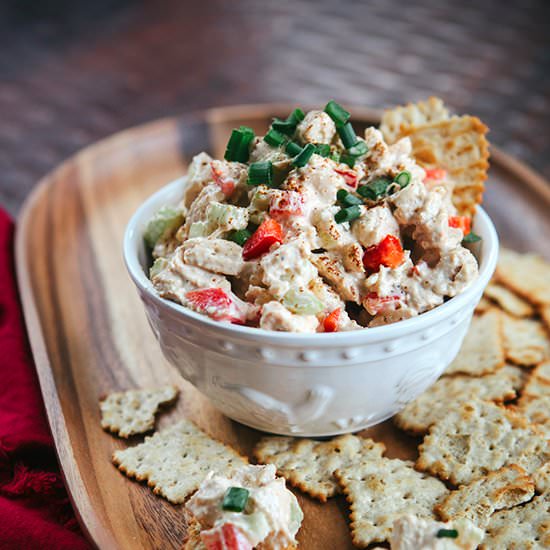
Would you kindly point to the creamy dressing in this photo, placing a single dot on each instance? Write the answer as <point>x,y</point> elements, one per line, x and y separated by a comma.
<point>271,516</point>
<point>317,254</point>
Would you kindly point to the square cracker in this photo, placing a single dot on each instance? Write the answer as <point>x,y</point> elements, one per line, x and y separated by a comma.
<point>176,460</point>
<point>450,392</point>
<point>542,478</point>
<point>484,305</point>
<point>400,120</point>
<point>381,490</point>
<point>538,382</point>
<point>525,341</point>
<point>480,437</point>
<point>477,501</point>
<point>459,146</point>
<point>526,274</point>
<point>133,412</point>
<point>482,351</point>
<point>537,411</point>
<point>524,527</point>
<point>545,316</point>
<point>309,465</point>
<point>507,300</point>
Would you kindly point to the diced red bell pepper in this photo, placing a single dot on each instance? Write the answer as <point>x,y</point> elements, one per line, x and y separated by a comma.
<point>435,174</point>
<point>226,184</point>
<point>330,324</point>
<point>374,304</point>
<point>216,303</point>
<point>226,537</point>
<point>349,175</point>
<point>269,233</point>
<point>387,252</point>
<point>286,203</point>
<point>461,222</point>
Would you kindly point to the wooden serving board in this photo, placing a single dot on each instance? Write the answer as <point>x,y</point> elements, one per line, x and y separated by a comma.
<point>89,334</point>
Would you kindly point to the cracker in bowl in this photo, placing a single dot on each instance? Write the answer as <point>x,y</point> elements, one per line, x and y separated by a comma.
<point>133,412</point>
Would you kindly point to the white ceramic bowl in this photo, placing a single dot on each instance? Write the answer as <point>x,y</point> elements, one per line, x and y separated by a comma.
<point>306,384</point>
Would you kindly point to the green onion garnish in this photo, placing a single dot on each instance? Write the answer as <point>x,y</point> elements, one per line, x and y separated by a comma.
<point>292,149</point>
<point>345,198</point>
<point>447,533</point>
<point>240,236</point>
<point>274,138</point>
<point>348,159</point>
<point>337,113</point>
<point>260,173</point>
<point>359,149</point>
<point>347,214</point>
<point>375,188</point>
<point>238,146</point>
<point>322,149</point>
<point>304,155</point>
<point>403,178</point>
<point>347,135</point>
<point>471,237</point>
<point>235,499</point>
<point>288,126</point>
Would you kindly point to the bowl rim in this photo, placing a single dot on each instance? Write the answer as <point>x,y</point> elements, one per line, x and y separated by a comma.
<point>373,334</point>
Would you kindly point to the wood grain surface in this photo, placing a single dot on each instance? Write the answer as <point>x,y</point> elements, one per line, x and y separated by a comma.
<point>89,334</point>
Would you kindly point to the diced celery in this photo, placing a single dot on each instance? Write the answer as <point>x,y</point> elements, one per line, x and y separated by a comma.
<point>162,225</point>
<point>259,204</point>
<point>199,229</point>
<point>302,302</point>
<point>227,216</point>
<point>157,267</point>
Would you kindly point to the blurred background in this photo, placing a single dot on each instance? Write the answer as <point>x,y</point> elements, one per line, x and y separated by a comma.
<point>72,72</point>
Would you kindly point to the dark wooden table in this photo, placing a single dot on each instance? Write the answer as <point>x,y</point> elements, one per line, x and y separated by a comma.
<point>72,72</point>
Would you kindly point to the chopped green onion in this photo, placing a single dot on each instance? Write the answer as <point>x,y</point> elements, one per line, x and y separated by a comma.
<point>302,158</point>
<point>447,533</point>
<point>240,236</point>
<point>293,149</point>
<point>260,173</point>
<point>335,156</point>
<point>375,188</point>
<point>235,499</point>
<point>471,237</point>
<point>336,112</point>
<point>288,126</point>
<point>302,302</point>
<point>359,149</point>
<point>347,135</point>
<point>274,138</point>
<point>347,214</point>
<point>348,159</point>
<point>238,146</point>
<point>347,199</point>
<point>403,178</point>
<point>322,149</point>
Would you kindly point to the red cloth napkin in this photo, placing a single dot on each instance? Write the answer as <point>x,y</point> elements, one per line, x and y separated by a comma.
<point>35,511</point>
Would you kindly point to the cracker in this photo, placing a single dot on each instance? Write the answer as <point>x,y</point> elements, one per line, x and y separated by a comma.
<point>133,412</point>
<point>537,411</point>
<point>477,438</point>
<point>450,392</point>
<point>176,460</point>
<point>545,316</point>
<point>525,341</point>
<point>517,376</point>
<point>542,478</point>
<point>538,383</point>
<point>508,300</point>
<point>381,490</point>
<point>398,121</point>
<point>459,146</point>
<point>484,305</point>
<point>524,527</point>
<point>309,465</point>
<point>526,274</point>
<point>477,501</point>
<point>482,351</point>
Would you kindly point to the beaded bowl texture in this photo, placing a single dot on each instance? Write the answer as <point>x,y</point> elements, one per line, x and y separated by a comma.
<point>314,384</point>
